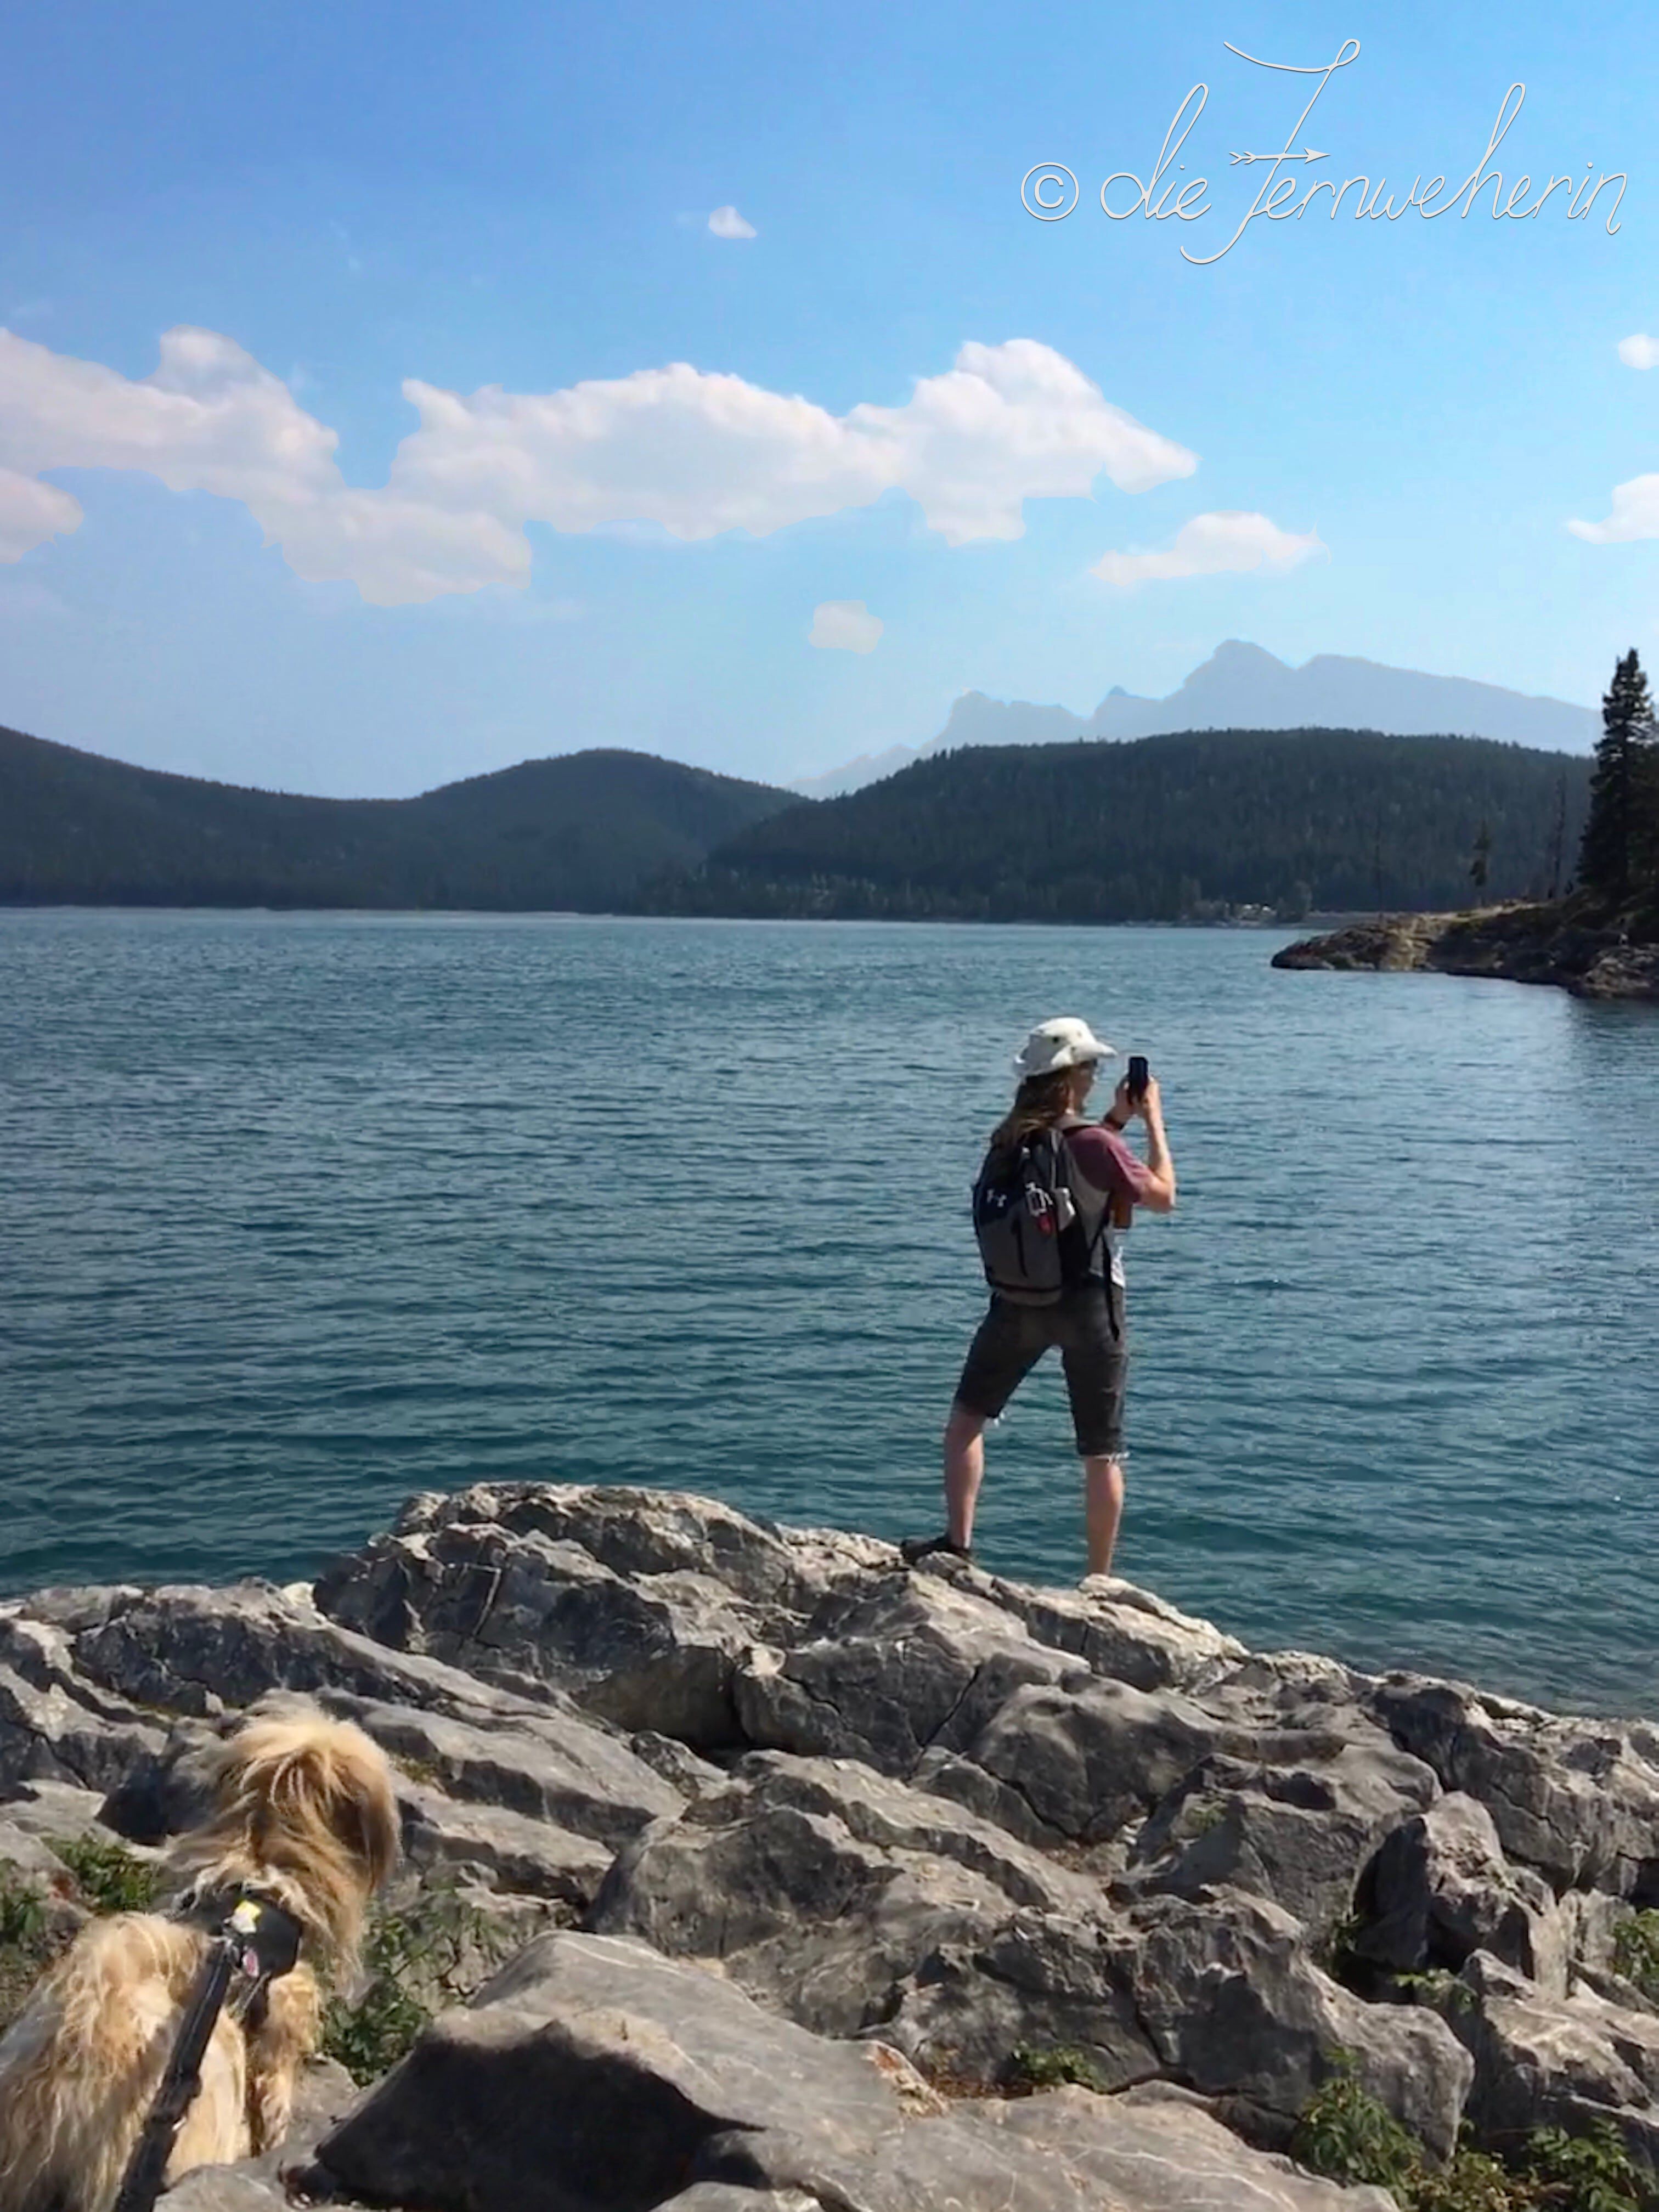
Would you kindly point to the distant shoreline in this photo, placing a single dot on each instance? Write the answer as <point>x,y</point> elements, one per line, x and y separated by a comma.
<point>1323,921</point>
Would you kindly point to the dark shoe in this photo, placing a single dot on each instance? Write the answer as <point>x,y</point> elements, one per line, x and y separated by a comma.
<point>916,1548</point>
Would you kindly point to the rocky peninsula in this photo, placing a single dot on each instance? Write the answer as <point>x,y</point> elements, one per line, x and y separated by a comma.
<point>1566,943</point>
<point>773,1876</point>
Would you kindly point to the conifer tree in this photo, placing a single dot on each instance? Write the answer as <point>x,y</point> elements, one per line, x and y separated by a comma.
<point>1479,865</point>
<point>1558,839</point>
<point>1618,834</point>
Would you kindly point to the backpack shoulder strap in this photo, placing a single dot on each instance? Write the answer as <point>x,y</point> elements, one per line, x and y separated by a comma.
<point>1064,1128</point>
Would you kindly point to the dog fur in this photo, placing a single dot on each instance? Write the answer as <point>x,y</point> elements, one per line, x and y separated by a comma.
<point>304,1811</point>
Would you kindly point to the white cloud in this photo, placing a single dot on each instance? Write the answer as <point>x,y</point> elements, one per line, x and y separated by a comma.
<point>691,453</point>
<point>1211,545</point>
<point>698,453</point>
<point>1639,352</point>
<point>1635,514</point>
<point>210,419</point>
<point>726,222</point>
<point>848,623</point>
<point>32,512</point>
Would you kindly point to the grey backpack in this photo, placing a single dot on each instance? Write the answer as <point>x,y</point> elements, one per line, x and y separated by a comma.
<point>1032,1239</point>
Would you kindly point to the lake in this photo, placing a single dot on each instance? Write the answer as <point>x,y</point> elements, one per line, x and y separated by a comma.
<point>300,1213</point>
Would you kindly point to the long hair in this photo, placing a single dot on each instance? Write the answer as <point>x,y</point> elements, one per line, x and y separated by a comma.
<point>1040,1102</point>
<point>306,1809</point>
<point>306,1813</point>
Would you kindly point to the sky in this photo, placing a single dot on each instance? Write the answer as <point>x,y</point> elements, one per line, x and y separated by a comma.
<point>388,395</point>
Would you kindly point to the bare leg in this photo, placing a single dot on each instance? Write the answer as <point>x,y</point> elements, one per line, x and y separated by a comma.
<point>1103,1495</point>
<point>965,1470</point>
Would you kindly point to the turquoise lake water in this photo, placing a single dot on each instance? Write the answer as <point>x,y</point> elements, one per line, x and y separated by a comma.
<point>301,1213</point>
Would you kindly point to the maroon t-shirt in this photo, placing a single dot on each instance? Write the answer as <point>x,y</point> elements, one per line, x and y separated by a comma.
<point>1107,1179</point>
<point>1106,1160</point>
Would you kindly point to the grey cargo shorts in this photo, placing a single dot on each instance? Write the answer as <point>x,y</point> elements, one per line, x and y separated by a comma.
<point>1094,1353</point>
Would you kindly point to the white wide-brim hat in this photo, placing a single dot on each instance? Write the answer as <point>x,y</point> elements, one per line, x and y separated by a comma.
<point>1066,1042</point>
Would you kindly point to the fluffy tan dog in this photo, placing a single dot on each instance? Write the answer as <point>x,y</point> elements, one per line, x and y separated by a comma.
<point>304,1813</point>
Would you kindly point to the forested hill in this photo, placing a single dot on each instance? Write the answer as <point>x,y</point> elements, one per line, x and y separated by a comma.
<point>1164,828</point>
<point>581,831</point>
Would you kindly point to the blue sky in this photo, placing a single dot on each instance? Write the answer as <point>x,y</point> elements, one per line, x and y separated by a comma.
<point>362,218</point>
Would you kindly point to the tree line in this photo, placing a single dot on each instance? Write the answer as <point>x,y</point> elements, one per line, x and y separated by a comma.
<point>1198,825</point>
<point>578,832</point>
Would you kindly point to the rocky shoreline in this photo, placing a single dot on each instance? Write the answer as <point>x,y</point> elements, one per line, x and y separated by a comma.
<point>788,1869</point>
<point>1521,943</point>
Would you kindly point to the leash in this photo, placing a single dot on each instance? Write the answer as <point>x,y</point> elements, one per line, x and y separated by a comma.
<point>258,1940</point>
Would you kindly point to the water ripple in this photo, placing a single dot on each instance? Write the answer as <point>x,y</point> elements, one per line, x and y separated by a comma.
<point>301,1213</point>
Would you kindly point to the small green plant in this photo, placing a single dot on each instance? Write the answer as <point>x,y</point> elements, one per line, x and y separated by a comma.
<point>1040,2066</point>
<point>1337,1955</point>
<point>422,1954</point>
<point>1346,2133</point>
<point>25,1944</point>
<point>1635,1953</point>
<point>370,2036</point>
<point>22,1909</point>
<point>1591,2173</point>
<point>109,1877</point>
<point>1438,1986</point>
<point>1470,2182</point>
<point>419,1769</point>
<point>1200,1816</point>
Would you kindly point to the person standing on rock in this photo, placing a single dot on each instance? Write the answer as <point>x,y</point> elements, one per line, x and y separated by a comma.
<point>1097,1182</point>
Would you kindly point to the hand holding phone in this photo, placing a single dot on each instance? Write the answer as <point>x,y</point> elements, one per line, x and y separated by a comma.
<point>1135,1082</point>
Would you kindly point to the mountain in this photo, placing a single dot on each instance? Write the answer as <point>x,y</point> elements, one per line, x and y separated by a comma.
<point>865,768</point>
<point>973,721</point>
<point>1242,687</point>
<point>1164,828</point>
<point>581,831</point>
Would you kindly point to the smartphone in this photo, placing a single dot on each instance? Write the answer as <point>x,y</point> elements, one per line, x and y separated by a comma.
<point>1137,1076</point>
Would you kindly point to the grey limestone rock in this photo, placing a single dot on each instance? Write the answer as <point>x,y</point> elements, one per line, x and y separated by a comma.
<point>919,1819</point>
<point>591,2071</point>
<point>524,1798</point>
<point>1440,1888</point>
<point>1150,2152</point>
<point>854,1904</point>
<point>227,2189</point>
<point>885,1674</point>
<point>1300,1831</point>
<point>1540,2061</point>
<point>1128,1634</point>
<point>1576,1799</point>
<point>1239,2011</point>
<point>593,2077</point>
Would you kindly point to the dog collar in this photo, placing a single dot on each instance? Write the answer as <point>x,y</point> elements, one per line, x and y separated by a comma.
<point>265,1935</point>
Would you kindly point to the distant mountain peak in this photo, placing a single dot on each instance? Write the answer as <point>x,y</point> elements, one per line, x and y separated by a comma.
<point>1239,653</point>
<point>1243,686</point>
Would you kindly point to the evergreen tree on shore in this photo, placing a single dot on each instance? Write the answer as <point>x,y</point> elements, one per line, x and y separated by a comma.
<point>1480,863</point>
<point>1621,836</point>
